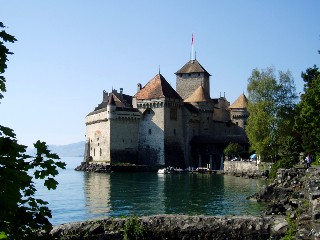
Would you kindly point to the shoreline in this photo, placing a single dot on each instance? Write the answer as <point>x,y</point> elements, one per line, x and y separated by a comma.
<point>175,227</point>
<point>293,208</point>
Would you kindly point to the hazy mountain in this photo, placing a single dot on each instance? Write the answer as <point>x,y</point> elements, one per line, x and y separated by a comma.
<point>69,150</point>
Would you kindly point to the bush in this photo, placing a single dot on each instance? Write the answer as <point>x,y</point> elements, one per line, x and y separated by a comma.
<point>282,163</point>
<point>133,229</point>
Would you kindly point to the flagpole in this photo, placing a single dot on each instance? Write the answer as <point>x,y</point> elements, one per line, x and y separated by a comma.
<point>192,50</point>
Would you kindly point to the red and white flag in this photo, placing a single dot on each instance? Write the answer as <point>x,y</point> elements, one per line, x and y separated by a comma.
<point>192,50</point>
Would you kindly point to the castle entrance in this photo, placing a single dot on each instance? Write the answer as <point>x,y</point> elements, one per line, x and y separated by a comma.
<point>211,161</point>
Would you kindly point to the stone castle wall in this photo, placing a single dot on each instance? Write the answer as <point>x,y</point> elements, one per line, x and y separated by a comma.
<point>98,137</point>
<point>188,83</point>
<point>151,134</point>
<point>191,125</point>
<point>124,140</point>
<point>173,134</point>
<point>239,117</point>
<point>220,111</point>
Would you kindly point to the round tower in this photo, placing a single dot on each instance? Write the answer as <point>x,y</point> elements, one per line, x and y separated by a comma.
<point>111,107</point>
<point>238,111</point>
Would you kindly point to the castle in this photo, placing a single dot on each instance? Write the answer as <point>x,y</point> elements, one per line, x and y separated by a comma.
<point>160,126</point>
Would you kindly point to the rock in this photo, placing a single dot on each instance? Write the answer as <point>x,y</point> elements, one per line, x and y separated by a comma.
<point>280,225</point>
<point>314,195</point>
<point>176,227</point>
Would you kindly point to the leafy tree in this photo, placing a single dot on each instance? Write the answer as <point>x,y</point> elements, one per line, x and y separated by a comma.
<point>21,214</point>
<point>4,52</point>
<point>233,149</point>
<point>271,106</point>
<point>307,121</point>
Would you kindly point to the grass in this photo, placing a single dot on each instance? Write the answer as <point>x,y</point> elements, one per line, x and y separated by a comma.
<point>133,229</point>
<point>292,228</point>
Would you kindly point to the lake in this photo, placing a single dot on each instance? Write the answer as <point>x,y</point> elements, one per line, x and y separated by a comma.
<point>84,196</point>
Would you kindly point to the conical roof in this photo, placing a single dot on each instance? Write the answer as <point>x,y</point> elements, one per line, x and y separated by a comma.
<point>199,95</point>
<point>158,87</point>
<point>193,66</point>
<point>241,102</point>
<point>111,100</point>
<point>114,100</point>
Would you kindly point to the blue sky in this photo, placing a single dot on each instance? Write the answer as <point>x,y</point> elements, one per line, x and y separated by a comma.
<point>68,52</point>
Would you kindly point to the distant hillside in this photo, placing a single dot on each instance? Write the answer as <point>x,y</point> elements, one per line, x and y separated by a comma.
<point>69,150</point>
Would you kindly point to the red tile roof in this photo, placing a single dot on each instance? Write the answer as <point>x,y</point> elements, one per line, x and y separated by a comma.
<point>158,87</point>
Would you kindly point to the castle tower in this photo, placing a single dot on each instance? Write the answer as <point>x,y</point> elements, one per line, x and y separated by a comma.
<point>238,111</point>
<point>111,107</point>
<point>191,76</point>
<point>160,130</point>
<point>202,101</point>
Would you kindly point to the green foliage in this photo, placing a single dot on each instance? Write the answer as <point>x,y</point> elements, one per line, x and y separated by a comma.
<point>3,235</point>
<point>21,214</point>
<point>271,107</point>
<point>282,163</point>
<point>133,229</point>
<point>316,160</point>
<point>4,52</point>
<point>233,149</point>
<point>290,149</point>
<point>307,120</point>
<point>292,228</point>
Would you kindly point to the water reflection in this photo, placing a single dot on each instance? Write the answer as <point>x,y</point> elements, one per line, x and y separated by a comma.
<point>136,194</point>
<point>123,194</point>
<point>97,193</point>
<point>82,196</point>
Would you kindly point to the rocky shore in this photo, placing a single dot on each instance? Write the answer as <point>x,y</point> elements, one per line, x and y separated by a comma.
<point>293,212</point>
<point>295,193</point>
<point>175,227</point>
<point>102,167</point>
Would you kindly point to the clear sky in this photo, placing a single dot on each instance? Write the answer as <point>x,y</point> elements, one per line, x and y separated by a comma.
<point>68,52</point>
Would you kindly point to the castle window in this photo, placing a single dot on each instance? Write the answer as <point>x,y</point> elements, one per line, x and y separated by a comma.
<point>98,144</point>
<point>100,152</point>
<point>237,123</point>
<point>94,152</point>
<point>122,140</point>
<point>189,74</point>
<point>149,130</point>
<point>97,138</point>
<point>199,74</point>
<point>180,74</point>
<point>174,131</point>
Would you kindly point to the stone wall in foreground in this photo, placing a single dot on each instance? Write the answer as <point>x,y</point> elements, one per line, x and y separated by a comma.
<point>175,227</point>
<point>246,168</point>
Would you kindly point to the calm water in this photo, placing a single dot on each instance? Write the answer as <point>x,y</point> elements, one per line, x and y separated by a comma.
<point>82,196</point>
